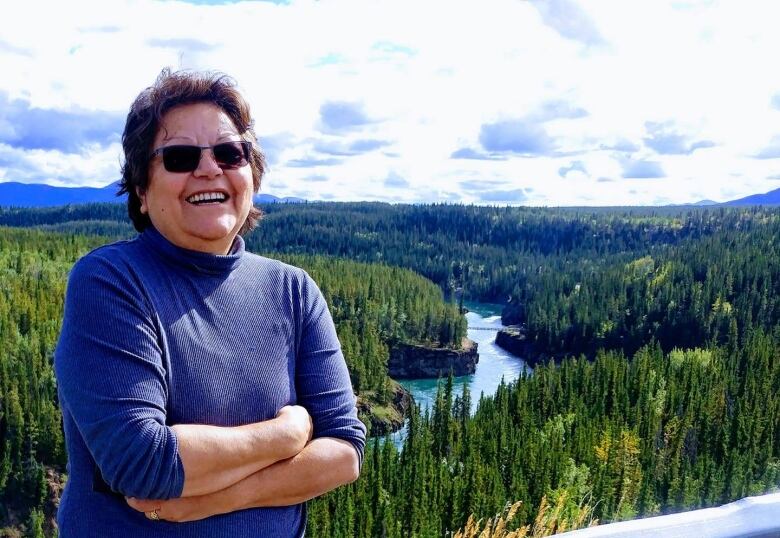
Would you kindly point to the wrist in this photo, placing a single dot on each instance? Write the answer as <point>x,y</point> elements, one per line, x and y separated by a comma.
<point>291,437</point>
<point>221,502</point>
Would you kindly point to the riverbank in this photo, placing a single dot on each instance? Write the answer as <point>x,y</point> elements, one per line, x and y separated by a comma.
<point>380,417</point>
<point>494,365</point>
<point>514,339</point>
<point>383,415</point>
<point>409,361</point>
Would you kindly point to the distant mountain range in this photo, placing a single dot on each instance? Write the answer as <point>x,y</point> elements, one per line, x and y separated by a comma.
<point>39,195</point>
<point>704,203</point>
<point>768,198</point>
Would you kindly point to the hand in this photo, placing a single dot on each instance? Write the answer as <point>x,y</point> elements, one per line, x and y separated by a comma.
<point>298,423</point>
<point>176,510</point>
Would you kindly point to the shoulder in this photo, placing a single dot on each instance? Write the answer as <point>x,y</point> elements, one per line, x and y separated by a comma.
<point>114,262</point>
<point>275,277</point>
<point>111,253</point>
<point>275,268</point>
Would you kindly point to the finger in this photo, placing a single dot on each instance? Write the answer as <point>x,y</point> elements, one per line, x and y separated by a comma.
<point>143,505</point>
<point>153,515</point>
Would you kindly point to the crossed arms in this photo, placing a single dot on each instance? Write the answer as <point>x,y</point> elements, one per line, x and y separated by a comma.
<point>271,463</point>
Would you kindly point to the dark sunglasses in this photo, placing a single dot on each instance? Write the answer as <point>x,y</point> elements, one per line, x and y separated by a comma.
<point>181,158</point>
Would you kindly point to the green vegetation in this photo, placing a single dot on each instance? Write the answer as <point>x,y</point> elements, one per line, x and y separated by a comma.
<point>693,293</point>
<point>33,266</point>
<point>578,279</point>
<point>611,439</point>
<point>669,400</point>
<point>373,307</point>
<point>487,251</point>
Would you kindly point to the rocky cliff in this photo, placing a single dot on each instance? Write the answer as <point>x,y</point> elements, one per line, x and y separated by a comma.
<point>515,340</point>
<point>384,418</point>
<point>409,361</point>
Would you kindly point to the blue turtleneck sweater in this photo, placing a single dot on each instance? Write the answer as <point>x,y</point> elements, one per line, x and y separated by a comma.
<point>155,335</point>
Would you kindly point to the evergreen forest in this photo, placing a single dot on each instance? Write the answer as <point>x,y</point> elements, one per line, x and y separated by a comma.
<point>664,324</point>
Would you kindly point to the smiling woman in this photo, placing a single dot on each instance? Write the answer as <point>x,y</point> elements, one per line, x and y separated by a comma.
<point>194,197</point>
<point>162,132</point>
<point>203,388</point>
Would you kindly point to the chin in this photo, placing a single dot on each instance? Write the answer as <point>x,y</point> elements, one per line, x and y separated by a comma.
<point>216,230</point>
<point>212,234</point>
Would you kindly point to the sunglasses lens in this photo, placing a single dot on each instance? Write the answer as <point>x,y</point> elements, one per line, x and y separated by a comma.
<point>231,154</point>
<point>228,155</point>
<point>181,158</point>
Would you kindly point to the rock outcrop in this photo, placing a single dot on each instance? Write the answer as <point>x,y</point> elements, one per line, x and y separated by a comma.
<point>409,361</point>
<point>514,339</point>
<point>383,419</point>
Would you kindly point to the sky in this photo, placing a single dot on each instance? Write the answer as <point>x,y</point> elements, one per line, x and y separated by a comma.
<point>499,102</point>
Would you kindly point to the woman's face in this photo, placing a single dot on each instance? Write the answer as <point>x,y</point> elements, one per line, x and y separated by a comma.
<point>171,199</point>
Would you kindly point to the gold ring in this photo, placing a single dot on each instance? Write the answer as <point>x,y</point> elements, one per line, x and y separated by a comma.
<point>153,515</point>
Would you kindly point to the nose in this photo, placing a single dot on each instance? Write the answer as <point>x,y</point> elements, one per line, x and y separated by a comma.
<point>207,166</point>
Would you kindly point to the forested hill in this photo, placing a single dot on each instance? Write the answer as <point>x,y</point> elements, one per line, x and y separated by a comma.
<point>373,306</point>
<point>577,279</point>
<point>485,249</point>
<point>681,411</point>
<point>604,440</point>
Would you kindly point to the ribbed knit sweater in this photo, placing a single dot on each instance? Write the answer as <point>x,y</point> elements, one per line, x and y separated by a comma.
<point>155,335</point>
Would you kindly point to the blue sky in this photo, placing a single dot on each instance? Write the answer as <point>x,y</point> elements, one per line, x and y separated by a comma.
<point>549,102</point>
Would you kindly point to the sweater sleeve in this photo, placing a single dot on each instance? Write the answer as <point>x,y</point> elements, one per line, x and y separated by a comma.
<point>111,379</point>
<point>322,379</point>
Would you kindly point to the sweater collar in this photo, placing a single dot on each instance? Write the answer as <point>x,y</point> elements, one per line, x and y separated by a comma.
<point>200,262</point>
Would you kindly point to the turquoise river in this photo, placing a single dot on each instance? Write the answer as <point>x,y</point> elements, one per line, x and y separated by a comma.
<point>494,363</point>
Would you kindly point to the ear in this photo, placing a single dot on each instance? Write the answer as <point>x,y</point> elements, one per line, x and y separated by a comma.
<point>142,196</point>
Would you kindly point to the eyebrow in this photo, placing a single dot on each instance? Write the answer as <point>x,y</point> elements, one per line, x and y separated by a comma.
<point>222,136</point>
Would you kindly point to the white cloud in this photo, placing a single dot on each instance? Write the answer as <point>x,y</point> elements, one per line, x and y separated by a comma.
<point>429,76</point>
<point>96,166</point>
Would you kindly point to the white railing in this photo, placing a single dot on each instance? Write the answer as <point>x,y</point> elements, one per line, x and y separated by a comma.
<point>757,517</point>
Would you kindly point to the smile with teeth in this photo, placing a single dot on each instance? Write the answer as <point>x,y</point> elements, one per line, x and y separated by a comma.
<point>207,198</point>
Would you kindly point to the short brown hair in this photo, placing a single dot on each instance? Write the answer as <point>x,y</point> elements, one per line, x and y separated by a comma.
<point>172,89</point>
